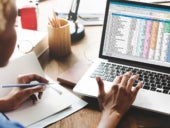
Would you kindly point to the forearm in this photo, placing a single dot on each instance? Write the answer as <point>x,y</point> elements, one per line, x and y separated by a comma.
<point>6,105</point>
<point>109,120</point>
<point>2,104</point>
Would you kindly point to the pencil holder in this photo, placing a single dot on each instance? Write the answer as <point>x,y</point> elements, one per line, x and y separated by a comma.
<point>59,39</point>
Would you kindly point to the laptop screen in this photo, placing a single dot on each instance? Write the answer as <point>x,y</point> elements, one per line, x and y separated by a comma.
<point>136,32</point>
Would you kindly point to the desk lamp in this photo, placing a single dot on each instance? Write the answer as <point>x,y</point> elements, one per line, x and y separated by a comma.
<point>76,29</point>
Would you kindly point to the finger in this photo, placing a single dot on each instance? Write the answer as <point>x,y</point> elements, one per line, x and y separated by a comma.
<point>40,95</point>
<point>117,80</point>
<point>101,86</point>
<point>31,77</point>
<point>101,93</point>
<point>31,90</point>
<point>33,98</point>
<point>125,78</point>
<point>114,89</point>
<point>37,78</point>
<point>136,89</point>
<point>131,82</point>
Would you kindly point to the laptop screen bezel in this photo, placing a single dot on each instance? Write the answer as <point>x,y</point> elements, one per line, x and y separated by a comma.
<point>125,61</point>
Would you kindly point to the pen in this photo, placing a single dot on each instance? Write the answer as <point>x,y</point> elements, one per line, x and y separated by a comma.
<point>29,85</point>
<point>24,85</point>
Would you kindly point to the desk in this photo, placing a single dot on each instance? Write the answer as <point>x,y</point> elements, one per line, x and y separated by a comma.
<point>85,50</point>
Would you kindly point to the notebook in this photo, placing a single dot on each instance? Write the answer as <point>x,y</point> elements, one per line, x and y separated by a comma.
<point>136,38</point>
<point>52,101</point>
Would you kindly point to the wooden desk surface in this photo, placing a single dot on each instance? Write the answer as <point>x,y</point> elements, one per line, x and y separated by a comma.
<point>86,50</point>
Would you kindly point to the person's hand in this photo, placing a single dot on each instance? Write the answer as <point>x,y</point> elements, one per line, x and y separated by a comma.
<point>118,100</point>
<point>19,95</point>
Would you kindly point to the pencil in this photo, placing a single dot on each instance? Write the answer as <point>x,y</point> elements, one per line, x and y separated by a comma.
<point>54,21</point>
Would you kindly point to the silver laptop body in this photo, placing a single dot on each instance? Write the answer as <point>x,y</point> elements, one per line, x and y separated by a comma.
<point>136,37</point>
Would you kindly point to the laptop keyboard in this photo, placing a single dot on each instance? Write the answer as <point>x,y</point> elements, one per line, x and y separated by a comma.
<point>152,80</point>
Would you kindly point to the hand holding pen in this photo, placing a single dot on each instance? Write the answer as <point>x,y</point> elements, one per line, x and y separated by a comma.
<point>17,96</point>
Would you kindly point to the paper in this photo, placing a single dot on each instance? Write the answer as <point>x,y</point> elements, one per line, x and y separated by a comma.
<point>24,65</point>
<point>76,104</point>
<point>85,6</point>
<point>90,12</point>
<point>51,103</point>
<point>31,35</point>
<point>29,40</point>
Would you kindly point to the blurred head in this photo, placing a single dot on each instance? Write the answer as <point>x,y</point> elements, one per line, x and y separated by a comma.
<point>8,15</point>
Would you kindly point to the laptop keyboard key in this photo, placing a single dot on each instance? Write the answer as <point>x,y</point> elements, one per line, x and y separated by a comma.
<point>146,87</point>
<point>153,89</point>
<point>165,91</point>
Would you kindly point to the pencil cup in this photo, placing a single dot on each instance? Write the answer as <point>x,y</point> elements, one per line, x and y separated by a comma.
<point>59,39</point>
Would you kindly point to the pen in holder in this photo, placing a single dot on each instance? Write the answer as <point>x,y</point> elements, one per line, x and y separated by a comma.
<point>59,37</point>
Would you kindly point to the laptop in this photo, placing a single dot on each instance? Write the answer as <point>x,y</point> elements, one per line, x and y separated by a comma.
<point>136,38</point>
